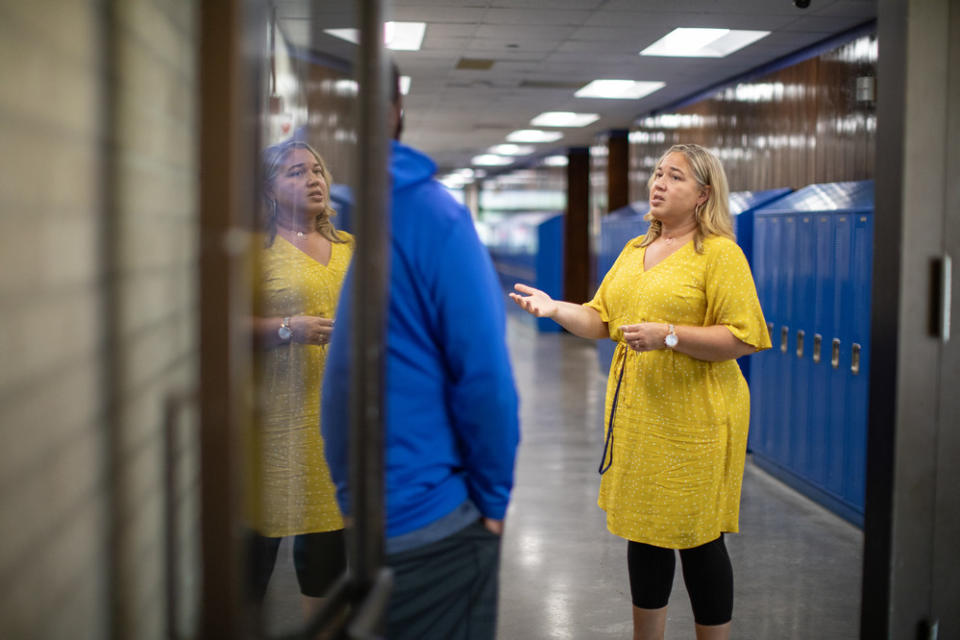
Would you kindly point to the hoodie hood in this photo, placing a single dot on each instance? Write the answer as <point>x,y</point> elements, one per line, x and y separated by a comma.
<point>408,166</point>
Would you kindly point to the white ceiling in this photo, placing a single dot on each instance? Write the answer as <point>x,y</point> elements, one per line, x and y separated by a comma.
<point>454,114</point>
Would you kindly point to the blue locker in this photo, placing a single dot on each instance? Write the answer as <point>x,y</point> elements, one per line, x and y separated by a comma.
<point>859,338</point>
<point>341,197</point>
<point>815,430</point>
<point>528,248</point>
<point>786,284</point>
<point>743,206</point>
<point>801,331</point>
<point>761,362</point>
<point>775,379</point>
<point>616,229</point>
<point>825,326</point>
<point>843,290</point>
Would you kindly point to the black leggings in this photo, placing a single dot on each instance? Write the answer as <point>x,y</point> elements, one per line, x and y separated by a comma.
<point>706,572</point>
<point>319,559</point>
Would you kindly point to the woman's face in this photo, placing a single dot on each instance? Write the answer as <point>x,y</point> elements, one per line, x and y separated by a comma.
<point>675,193</point>
<point>299,186</point>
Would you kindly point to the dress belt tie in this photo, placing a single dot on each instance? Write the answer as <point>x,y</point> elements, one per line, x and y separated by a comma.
<point>608,442</point>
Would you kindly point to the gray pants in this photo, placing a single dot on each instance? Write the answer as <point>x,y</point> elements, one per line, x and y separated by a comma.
<point>446,590</point>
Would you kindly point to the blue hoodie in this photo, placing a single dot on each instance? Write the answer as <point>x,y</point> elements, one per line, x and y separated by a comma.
<point>451,407</point>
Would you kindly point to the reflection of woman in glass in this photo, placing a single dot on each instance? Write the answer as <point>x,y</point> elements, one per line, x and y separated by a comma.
<point>302,266</point>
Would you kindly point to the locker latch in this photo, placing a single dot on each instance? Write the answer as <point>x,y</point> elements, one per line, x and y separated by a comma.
<point>817,341</point>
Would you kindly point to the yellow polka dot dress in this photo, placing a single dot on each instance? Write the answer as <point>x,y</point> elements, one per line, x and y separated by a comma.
<point>292,490</point>
<point>680,426</point>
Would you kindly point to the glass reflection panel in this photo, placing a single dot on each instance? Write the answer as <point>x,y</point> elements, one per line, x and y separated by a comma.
<point>300,250</point>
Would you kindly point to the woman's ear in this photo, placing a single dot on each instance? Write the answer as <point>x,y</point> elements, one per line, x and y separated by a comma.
<point>704,195</point>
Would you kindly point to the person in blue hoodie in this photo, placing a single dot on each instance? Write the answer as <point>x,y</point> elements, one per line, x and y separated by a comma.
<point>451,424</point>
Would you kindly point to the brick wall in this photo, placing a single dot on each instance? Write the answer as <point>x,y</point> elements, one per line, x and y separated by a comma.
<point>98,183</point>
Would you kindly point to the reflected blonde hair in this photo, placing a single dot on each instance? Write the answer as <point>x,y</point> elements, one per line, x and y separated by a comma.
<point>273,159</point>
<point>713,216</point>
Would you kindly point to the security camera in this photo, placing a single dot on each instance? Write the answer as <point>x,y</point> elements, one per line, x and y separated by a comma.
<point>801,4</point>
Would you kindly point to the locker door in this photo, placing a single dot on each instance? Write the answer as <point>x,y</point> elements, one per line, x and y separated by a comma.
<point>801,333</point>
<point>775,391</point>
<point>858,368</point>
<point>743,225</point>
<point>760,364</point>
<point>824,328</point>
<point>839,346</point>
<point>786,424</point>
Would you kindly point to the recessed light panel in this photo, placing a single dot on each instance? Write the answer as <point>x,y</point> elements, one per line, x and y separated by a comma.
<point>534,135</point>
<point>399,36</point>
<point>555,161</point>
<point>490,160</point>
<point>618,89</point>
<point>512,149</point>
<point>702,43</point>
<point>564,119</point>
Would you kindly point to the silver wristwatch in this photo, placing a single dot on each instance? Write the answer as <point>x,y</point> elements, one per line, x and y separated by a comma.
<point>285,332</point>
<point>671,338</point>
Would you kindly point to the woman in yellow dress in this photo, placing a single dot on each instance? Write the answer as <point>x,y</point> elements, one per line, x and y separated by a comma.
<point>681,304</point>
<point>301,267</point>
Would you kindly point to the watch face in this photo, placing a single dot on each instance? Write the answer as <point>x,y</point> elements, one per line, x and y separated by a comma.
<point>284,333</point>
<point>671,340</point>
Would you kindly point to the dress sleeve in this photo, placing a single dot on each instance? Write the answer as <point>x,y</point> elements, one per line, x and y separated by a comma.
<point>732,296</point>
<point>601,299</point>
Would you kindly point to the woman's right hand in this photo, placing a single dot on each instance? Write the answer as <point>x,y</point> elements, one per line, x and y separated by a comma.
<point>535,301</point>
<point>311,329</point>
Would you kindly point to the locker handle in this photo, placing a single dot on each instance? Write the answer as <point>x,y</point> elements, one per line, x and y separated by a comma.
<point>835,354</point>
<point>784,337</point>
<point>800,335</point>
<point>817,341</point>
<point>770,329</point>
<point>855,359</point>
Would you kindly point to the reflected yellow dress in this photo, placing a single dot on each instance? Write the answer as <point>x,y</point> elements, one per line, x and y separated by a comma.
<point>292,490</point>
<point>680,425</point>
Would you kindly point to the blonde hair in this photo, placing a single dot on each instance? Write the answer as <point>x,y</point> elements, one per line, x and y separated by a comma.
<point>713,215</point>
<point>273,159</point>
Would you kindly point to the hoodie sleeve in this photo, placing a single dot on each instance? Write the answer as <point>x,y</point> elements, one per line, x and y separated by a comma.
<point>481,395</point>
<point>335,402</point>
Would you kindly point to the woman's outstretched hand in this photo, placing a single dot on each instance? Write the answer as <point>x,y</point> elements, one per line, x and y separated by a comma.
<point>535,301</point>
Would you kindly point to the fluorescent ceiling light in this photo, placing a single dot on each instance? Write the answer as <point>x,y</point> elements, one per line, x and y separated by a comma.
<point>702,43</point>
<point>555,161</point>
<point>399,36</point>
<point>618,89</point>
<point>564,119</point>
<point>490,160</point>
<point>404,85</point>
<point>534,135</point>
<point>512,149</point>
